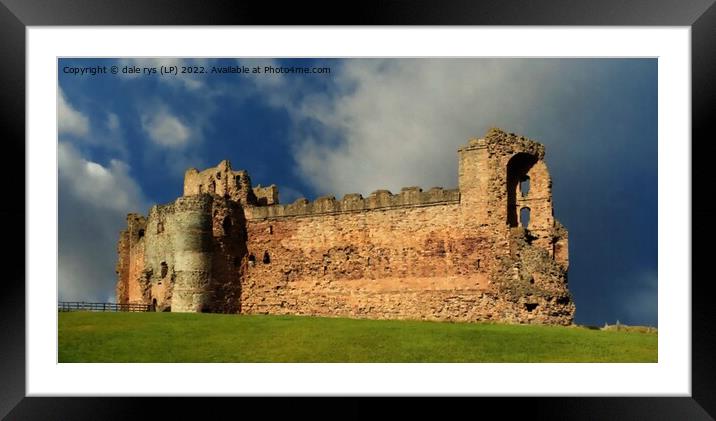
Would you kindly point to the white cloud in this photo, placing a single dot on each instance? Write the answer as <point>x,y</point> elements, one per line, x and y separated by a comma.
<point>105,187</point>
<point>387,123</point>
<point>165,129</point>
<point>70,121</point>
<point>93,204</point>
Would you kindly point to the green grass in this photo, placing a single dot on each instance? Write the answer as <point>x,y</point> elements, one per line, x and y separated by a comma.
<point>176,337</point>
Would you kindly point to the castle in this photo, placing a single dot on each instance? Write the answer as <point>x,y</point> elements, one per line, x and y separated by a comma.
<point>489,250</point>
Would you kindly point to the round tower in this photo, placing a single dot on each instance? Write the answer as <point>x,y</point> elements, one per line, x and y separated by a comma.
<point>192,254</point>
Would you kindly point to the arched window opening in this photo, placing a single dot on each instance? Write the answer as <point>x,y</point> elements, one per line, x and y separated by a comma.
<point>478,263</point>
<point>201,188</point>
<point>140,234</point>
<point>212,187</point>
<point>266,258</point>
<point>218,176</point>
<point>154,304</point>
<point>226,225</point>
<point>517,169</point>
<point>525,186</point>
<point>160,227</point>
<point>252,259</point>
<point>525,217</point>
<point>165,269</point>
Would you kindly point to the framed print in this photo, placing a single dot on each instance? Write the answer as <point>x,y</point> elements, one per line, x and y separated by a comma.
<point>166,170</point>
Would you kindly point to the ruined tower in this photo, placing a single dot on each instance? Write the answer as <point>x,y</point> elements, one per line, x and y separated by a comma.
<point>488,250</point>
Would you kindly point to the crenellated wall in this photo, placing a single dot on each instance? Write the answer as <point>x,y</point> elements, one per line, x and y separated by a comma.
<point>266,195</point>
<point>354,202</point>
<point>443,254</point>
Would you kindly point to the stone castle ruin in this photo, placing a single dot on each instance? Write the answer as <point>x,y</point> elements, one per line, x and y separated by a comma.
<point>489,250</point>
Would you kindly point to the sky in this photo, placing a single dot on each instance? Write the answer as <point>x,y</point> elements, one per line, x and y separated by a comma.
<point>359,125</point>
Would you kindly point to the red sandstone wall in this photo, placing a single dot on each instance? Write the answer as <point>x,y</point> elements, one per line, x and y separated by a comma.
<point>228,256</point>
<point>380,262</point>
<point>122,269</point>
<point>437,255</point>
<point>136,290</point>
<point>131,283</point>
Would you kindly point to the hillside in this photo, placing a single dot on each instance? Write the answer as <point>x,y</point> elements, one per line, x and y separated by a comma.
<point>188,337</point>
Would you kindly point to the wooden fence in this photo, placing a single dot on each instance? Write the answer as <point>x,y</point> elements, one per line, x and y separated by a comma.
<point>83,306</point>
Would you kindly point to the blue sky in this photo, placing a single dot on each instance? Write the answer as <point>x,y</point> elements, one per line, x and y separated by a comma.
<point>126,140</point>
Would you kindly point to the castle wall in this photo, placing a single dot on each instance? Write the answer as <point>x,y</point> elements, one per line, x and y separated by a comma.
<point>266,195</point>
<point>475,181</point>
<point>160,265</point>
<point>188,257</point>
<point>443,254</point>
<point>131,283</point>
<point>137,282</point>
<point>371,262</point>
<point>228,245</point>
<point>122,268</point>
<point>417,260</point>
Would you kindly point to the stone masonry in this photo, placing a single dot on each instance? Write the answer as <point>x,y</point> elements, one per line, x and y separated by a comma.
<point>490,250</point>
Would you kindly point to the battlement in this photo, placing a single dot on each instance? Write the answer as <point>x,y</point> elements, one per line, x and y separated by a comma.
<point>266,195</point>
<point>353,202</point>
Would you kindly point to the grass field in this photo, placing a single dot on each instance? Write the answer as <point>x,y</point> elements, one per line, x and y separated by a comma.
<point>175,337</point>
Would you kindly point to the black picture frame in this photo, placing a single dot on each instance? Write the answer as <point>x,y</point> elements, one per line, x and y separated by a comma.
<point>16,15</point>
